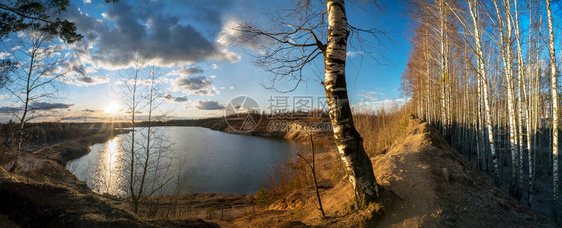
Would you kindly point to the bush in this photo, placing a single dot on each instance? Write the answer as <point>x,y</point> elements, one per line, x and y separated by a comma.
<point>263,198</point>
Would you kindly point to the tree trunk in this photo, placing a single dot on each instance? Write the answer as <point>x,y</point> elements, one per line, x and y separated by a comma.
<point>520,95</point>
<point>486,94</point>
<point>554,95</point>
<point>358,165</point>
<point>313,168</point>
<point>428,72</point>
<point>23,118</point>
<point>505,42</point>
<point>444,69</point>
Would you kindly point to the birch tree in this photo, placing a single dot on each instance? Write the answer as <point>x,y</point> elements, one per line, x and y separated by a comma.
<point>506,32</point>
<point>554,94</point>
<point>34,80</point>
<point>474,13</point>
<point>132,81</point>
<point>515,106</point>
<point>520,101</point>
<point>531,93</point>
<point>295,44</point>
<point>148,165</point>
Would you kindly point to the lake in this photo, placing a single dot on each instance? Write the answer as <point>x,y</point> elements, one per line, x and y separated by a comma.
<point>184,160</point>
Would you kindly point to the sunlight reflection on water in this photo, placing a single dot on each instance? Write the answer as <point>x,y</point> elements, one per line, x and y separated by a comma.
<point>197,160</point>
<point>106,174</point>
<point>110,180</point>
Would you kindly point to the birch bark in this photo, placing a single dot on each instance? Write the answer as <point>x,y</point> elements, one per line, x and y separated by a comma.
<point>554,95</point>
<point>358,165</point>
<point>505,43</point>
<point>520,94</point>
<point>482,74</point>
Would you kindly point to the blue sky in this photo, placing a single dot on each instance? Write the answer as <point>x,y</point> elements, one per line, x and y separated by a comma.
<point>201,69</point>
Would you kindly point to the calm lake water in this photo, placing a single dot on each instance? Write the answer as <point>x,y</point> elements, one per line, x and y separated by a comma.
<point>185,160</point>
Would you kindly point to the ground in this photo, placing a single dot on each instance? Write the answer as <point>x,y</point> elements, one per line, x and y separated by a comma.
<point>415,193</point>
<point>413,169</point>
<point>412,173</point>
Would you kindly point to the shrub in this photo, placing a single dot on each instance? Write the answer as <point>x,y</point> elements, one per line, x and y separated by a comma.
<point>263,198</point>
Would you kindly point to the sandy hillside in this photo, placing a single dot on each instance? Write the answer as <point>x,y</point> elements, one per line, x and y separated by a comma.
<point>415,193</point>
<point>60,200</point>
<point>413,170</point>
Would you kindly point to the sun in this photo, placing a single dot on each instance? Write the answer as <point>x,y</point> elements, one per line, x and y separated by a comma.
<point>112,108</point>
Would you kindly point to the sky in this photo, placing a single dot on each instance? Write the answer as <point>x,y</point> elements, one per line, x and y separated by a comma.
<point>189,43</point>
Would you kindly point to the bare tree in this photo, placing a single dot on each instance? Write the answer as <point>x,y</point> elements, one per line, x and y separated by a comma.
<point>147,163</point>
<point>132,99</point>
<point>294,43</point>
<point>155,160</point>
<point>33,81</point>
<point>312,165</point>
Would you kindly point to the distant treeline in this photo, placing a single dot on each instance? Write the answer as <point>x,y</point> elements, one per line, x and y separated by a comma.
<point>45,132</point>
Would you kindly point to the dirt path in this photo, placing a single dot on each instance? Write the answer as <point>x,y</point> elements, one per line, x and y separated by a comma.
<point>413,169</point>
<point>401,171</point>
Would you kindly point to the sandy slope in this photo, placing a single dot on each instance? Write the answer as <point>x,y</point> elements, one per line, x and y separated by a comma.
<point>413,170</point>
<point>26,203</point>
<point>416,193</point>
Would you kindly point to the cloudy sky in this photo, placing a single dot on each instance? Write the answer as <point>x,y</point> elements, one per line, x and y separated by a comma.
<point>189,43</point>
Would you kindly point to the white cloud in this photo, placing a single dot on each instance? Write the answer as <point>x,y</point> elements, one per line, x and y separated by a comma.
<point>186,71</point>
<point>86,80</point>
<point>229,33</point>
<point>194,85</point>
<point>6,96</point>
<point>4,55</point>
<point>387,104</point>
<point>371,95</point>
<point>171,43</point>
<point>352,54</point>
<point>207,105</point>
<point>170,98</point>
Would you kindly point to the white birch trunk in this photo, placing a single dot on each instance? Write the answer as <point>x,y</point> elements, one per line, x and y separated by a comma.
<point>443,65</point>
<point>554,94</point>
<point>350,144</point>
<point>521,102</point>
<point>482,74</point>
<point>428,72</point>
<point>505,43</point>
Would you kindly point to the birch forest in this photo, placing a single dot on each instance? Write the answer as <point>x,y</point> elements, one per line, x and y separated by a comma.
<point>486,74</point>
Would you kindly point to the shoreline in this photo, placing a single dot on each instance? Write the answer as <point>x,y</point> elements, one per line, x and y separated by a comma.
<point>77,148</point>
<point>63,151</point>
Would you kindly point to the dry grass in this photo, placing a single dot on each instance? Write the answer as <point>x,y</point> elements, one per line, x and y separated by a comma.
<point>381,128</point>
<point>282,181</point>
